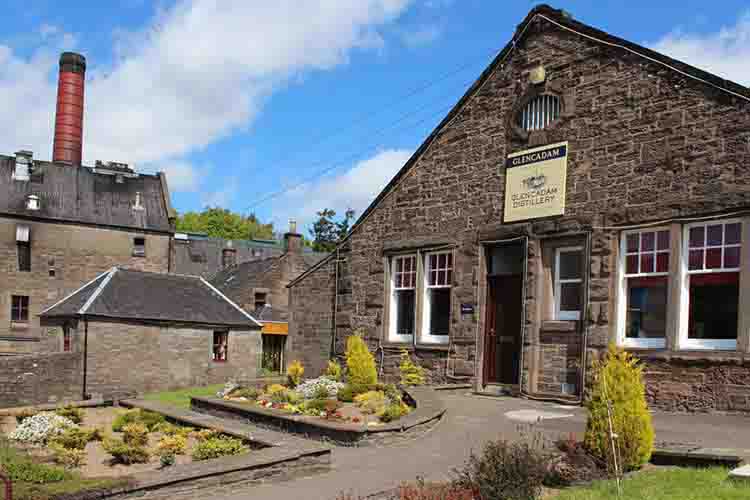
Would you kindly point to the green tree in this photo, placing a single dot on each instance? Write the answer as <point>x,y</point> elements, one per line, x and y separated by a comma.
<point>222,223</point>
<point>327,232</point>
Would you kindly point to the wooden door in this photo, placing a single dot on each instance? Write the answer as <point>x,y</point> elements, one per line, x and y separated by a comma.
<point>503,330</point>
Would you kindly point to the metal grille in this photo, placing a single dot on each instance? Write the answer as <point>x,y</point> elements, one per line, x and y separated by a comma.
<point>539,112</point>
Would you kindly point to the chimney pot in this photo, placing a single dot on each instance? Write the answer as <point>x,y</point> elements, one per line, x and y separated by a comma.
<point>67,146</point>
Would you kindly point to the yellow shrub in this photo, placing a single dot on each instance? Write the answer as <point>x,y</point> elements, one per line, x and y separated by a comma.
<point>171,445</point>
<point>360,363</point>
<point>411,373</point>
<point>371,402</point>
<point>294,373</point>
<point>135,434</point>
<point>334,370</point>
<point>618,379</point>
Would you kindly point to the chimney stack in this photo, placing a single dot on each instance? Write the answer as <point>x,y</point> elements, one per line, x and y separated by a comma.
<point>68,142</point>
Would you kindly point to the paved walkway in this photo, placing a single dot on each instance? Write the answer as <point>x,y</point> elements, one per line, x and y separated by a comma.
<point>469,422</point>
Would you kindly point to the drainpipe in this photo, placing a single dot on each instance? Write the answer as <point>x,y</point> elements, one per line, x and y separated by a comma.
<point>335,307</point>
<point>85,355</point>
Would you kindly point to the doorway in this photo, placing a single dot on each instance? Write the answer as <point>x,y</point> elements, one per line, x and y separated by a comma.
<point>504,312</point>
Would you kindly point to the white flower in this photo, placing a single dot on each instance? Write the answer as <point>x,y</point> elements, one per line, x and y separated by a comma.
<point>308,388</point>
<point>40,427</point>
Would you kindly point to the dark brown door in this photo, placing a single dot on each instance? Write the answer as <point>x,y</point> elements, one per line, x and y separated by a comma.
<point>503,329</point>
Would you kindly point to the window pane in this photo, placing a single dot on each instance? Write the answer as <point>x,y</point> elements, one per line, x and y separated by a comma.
<point>715,235</point>
<point>697,236</point>
<point>631,266</point>
<point>713,258</point>
<point>441,278</point>
<point>570,265</point>
<point>632,242</point>
<point>440,311</point>
<point>449,278</point>
<point>399,265</point>
<point>648,241</point>
<point>733,232</point>
<point>405,312</point>
<point>713,306</point>
<point>441,260</point>
<point>647,263</point>
<point>662,240</point>
<point>695,259</point>
<point>662,262</point>
<point>646,307</point>
<point>450,260</point>
<point>433,261</point>
<point>732,257</point>
<point>570,296</point>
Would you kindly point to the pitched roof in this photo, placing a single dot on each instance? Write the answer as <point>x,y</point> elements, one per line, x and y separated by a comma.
<point>238,276</point>
<point>271,314</point>
<point>87,195</point>
<point>137,295</point>
<point>564,21</point>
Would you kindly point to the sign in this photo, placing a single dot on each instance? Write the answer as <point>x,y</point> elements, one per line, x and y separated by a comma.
<point>467,308</point>
<point>535,182</point>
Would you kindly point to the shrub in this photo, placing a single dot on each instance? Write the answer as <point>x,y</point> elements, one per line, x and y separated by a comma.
<point>320,407</point>
<point>333,370</point>
<point>371,402</point>
<point>294,373</point>
<point>20,467</point>
<point>148,418</point>
<point>433,491</point>
<point>393,411</point>
<point>360,363</point>
<point>166,460</point>
<point>411,373</point>
<point>70,458</point>
<point>313,388</point>
<point>506,470</point>
<point>285,395</point>
<point>391,392</point>
<point>40,428</point>
<point>24,414</point>
<point>125,453</point>
<point>171,445</point>
<point>170,429</point>
<point>204,434</point>
<point>135,434</point>
<point>74,438</point>
<point>70,412</point>
<point>347,393</point>
<point>618,379</point>
<point>218,447</point>
<point>250,393</point>
<point>228,388</point>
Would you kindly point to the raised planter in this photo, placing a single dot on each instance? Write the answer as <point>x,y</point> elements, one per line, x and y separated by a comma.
<point>428,408</point>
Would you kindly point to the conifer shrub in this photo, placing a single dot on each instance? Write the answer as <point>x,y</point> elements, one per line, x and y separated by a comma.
<point>72,413</point>
<point>333,370</point>
<point>411,373</point>
<point>125,453</point>
<point>70,458</point>
<point>618,378</point>
<point>294,373</point>
<point>360,363</point>
<point>371,402</point>
<point>135,434</point>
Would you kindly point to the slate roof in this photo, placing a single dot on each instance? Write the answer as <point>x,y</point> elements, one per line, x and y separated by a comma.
<point>86,195</point>
<point>137,295</point>
<point>271,314</point>
<point>251,273</point>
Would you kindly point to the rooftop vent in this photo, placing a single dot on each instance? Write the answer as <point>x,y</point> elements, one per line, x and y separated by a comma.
<point>22,171</point>
<point>32,202</point>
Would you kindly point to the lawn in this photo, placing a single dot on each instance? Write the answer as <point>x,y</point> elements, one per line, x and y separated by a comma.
<point>181,397</point>
<point>665,484</point>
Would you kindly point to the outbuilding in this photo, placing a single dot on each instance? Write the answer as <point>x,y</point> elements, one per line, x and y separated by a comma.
<point>584,191</point>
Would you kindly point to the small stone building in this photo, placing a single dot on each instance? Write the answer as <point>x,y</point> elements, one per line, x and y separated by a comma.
<point>584,191</point>
<point>138,331</point>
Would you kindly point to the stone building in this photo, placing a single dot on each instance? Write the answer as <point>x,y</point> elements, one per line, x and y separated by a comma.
<point>585,190</point>
<point>62,223</point>
<point>259,287</point>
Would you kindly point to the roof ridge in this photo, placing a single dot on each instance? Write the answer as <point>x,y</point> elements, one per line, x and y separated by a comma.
<point>97,292</point>
<point>215,290</point>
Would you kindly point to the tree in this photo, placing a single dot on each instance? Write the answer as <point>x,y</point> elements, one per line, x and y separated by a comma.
<point>222,223</point>
<point>326,232</point>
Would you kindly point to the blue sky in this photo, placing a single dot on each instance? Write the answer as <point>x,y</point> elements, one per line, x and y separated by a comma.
<point>286,107</point>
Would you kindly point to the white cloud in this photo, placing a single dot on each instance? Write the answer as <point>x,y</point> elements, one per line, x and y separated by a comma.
<point>221,198</point>
<point>725,52</point>
<point>423,35</point>
<point>181,175</point>
<point>198,72</point>
<point>355,188</point>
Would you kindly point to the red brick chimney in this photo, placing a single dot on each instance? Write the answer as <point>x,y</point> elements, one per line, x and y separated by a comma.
<point>68,144</point>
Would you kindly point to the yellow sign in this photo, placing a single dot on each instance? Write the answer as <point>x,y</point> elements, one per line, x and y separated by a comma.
<point>535,182</point>
<point>275,329</point>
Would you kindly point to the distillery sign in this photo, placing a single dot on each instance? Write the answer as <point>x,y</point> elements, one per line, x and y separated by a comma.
<point>535,182</point>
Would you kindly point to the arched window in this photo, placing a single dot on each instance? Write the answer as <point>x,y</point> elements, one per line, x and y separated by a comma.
<point>539,112</point>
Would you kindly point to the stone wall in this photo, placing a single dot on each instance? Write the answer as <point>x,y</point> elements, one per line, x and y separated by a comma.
<point>645,144</point>
<point>36,379</point>
<point>134,358</point>
<point>76,254</point>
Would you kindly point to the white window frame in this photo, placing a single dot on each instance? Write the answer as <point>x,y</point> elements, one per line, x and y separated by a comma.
<point>559,314</point>
<point>426,336</point>
<point>393,336</point>
<point>683,342</point>
<point>622,295</point>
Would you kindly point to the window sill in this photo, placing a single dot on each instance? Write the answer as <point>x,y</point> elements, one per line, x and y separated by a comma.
<point>433,347</point>
<point>19,325</point>
<point>219,361</point>
<point>643,344</point>
<point>692,356</point>
<point>418,347</point>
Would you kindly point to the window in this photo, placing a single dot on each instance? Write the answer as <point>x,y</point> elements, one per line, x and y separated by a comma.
<point>436,310</point>
<point>403,298</point>
<point>139,247</point>
<point>32,202</point>
<point>273,353</point>
<point>67,345</point>
<point>19,309</point>
<point>221,346</point>
<point>260,300</point>
<point>644,262</point>
<point>539,112</point>
<point>228,257</point>
<point>710,286</point>
<point>568,282</point>
<point>23,247</point>
<point>51,267</point>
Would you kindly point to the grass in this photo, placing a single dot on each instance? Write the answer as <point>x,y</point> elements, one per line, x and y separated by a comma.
<point>50,491</point>
<point>665,484</point>
<point>181,397</point>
